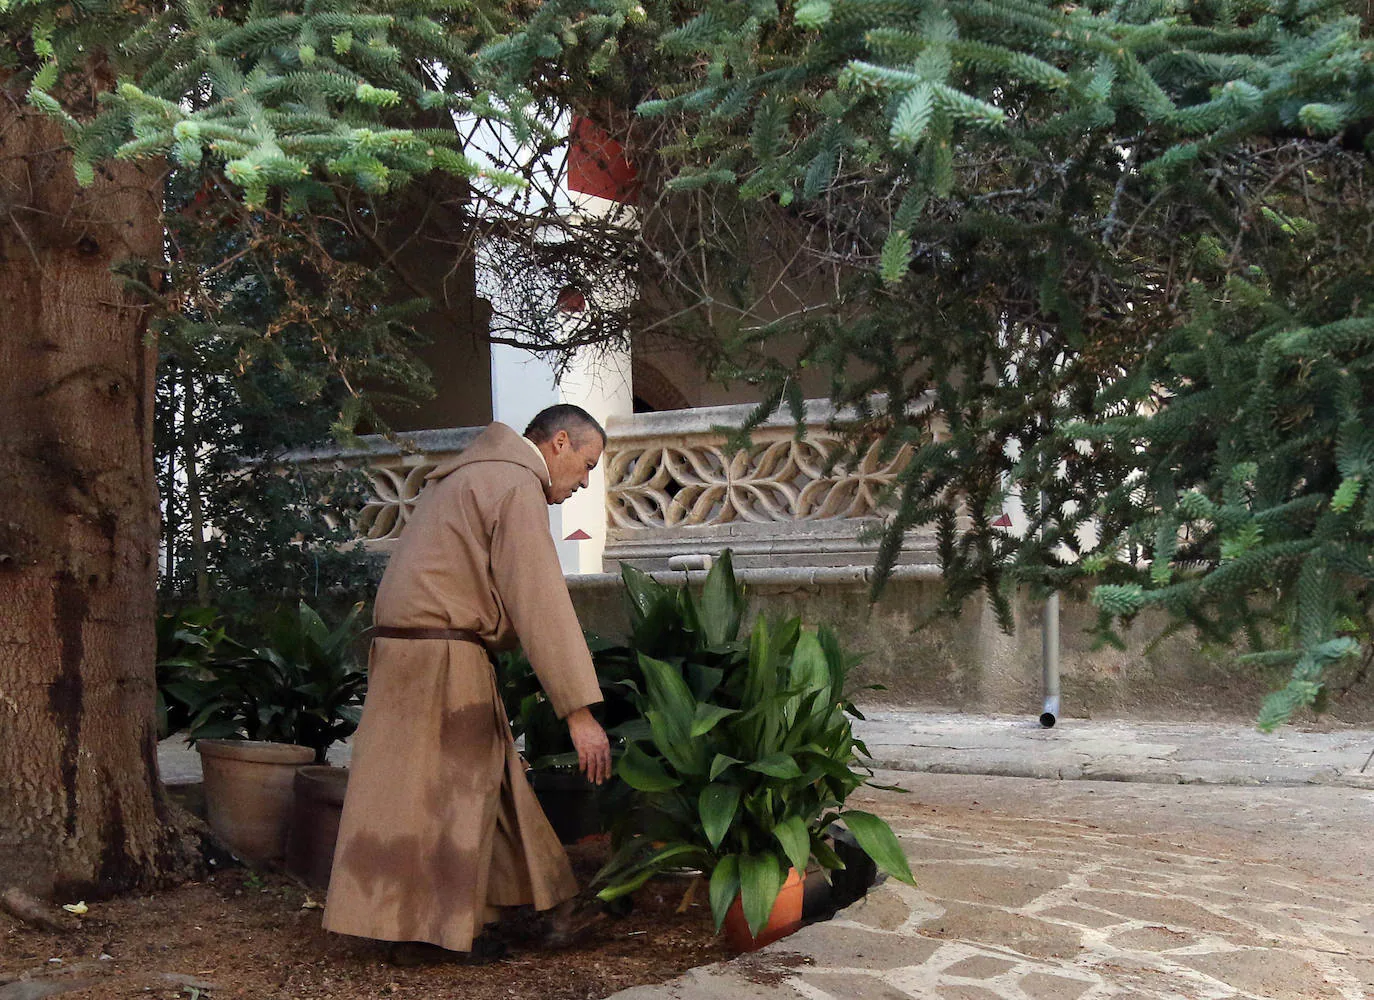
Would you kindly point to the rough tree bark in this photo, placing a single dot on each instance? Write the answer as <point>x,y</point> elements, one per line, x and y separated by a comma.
<point>81,811</point>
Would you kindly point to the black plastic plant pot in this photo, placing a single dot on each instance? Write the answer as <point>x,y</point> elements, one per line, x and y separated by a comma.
<point>822,899</point>
<point>569,801</point>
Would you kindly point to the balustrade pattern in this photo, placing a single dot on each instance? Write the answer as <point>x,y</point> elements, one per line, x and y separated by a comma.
<point>395,490</point>
<point>695,481</point>
<point>672,470</point>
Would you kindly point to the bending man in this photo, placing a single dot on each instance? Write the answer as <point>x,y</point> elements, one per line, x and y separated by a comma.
<point>440,828</point>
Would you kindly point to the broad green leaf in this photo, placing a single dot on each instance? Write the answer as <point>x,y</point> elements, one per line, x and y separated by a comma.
<point>312,625</point>
<point>724,887</point>
<point>671,715</point>
<point>759,680</point>
<point>785,636</point>
<point>675,745</point>
<point>808,671</point>
<point>343,635</point>
<point>795,840</point>
<point>707,716</point>
<point>634,729</point>
<point>669,694</point>
<point>687,609</point>
<point>722,764</point>
<point>878,841</point>
<point>777,765</point>
<point>641,772</point>
<point>628,881</point>
<point>830,767</point>
<point>721,605</point>
<point>760,878</point>
<point>643,591</point>
<point>625,858</point>
<point>702,680</point>
<point>825,854</point>
<point>717,806</point>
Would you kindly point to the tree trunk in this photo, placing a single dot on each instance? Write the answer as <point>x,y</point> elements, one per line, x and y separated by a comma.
<point>81,810</point>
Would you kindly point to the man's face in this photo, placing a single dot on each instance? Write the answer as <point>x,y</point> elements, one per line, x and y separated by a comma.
<point>570,462</point>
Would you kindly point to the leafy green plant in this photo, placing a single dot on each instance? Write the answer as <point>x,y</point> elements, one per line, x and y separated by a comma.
<point>303,684</point>
<point>745,755</point>
<point>667,623</point>
<point>531,715</point>
<point>187,642</point>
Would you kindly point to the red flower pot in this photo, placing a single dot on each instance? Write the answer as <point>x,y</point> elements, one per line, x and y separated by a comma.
<point>786,917</point>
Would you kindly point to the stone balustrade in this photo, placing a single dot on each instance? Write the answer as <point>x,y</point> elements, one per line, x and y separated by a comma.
<point>396,470</point>
<point>676,494</point>
<point>674,490</point>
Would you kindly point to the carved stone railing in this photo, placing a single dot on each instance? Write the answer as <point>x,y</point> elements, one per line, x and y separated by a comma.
<point>674,491</point>
<point>675,494</point>
<point>396,472</point>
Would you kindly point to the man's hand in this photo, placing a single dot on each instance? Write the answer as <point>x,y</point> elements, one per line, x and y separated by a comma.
<point>593,748</point>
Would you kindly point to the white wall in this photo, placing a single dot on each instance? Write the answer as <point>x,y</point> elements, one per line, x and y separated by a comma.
<point>522,384</point>
<point>599,383</point>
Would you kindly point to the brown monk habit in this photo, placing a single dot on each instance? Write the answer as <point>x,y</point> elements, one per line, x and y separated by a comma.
<point>440,825</point>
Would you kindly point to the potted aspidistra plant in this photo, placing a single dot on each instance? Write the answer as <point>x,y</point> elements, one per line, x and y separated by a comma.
<point>260,712</point>
<point>743,766</point>
<point>666,623</point>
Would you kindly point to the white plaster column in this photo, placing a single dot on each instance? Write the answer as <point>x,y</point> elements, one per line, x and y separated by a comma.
<point>522,384</point>
<point>599,382</point>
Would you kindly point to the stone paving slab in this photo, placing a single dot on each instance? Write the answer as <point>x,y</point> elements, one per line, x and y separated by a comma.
<point>1117,750</point>
<point>1033,890</point>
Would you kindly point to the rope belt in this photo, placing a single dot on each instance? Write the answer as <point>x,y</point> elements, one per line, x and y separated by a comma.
<point>456,634</point>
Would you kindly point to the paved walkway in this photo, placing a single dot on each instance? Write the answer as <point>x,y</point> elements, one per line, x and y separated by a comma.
<point>1189,862</point>
<point>1087,890</point>
<point>1114,750</point>
<point>1103,750</point>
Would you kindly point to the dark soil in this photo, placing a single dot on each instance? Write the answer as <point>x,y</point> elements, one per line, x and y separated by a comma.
<point>251,935</point>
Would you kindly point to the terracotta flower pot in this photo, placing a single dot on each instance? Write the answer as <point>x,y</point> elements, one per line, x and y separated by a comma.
<point>785,917</point>
<point>315,815</point>
<point>248,792</point>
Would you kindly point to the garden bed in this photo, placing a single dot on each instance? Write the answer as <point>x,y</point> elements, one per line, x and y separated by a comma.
<point>240,934</point>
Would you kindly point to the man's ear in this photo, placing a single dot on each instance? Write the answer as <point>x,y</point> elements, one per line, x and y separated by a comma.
<point>561,440</point>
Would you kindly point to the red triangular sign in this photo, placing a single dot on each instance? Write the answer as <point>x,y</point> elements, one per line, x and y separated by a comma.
<point>577,536</point>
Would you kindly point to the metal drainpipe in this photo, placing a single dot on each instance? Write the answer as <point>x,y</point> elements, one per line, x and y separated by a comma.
<point>1049,657</point>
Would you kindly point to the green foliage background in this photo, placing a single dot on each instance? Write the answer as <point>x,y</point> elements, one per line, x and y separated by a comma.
<point>1109,259</point>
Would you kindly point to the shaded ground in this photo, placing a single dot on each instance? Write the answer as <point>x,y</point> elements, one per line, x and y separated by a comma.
<point>241,935</point>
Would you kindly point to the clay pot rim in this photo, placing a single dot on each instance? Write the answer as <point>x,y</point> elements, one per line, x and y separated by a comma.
<point>322,782</point>
<point>256,751</point>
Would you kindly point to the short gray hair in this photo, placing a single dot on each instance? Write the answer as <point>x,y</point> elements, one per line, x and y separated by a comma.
<point>563,417</point>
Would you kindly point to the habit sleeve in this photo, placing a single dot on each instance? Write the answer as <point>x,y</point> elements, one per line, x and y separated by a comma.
<point>529,580</point>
